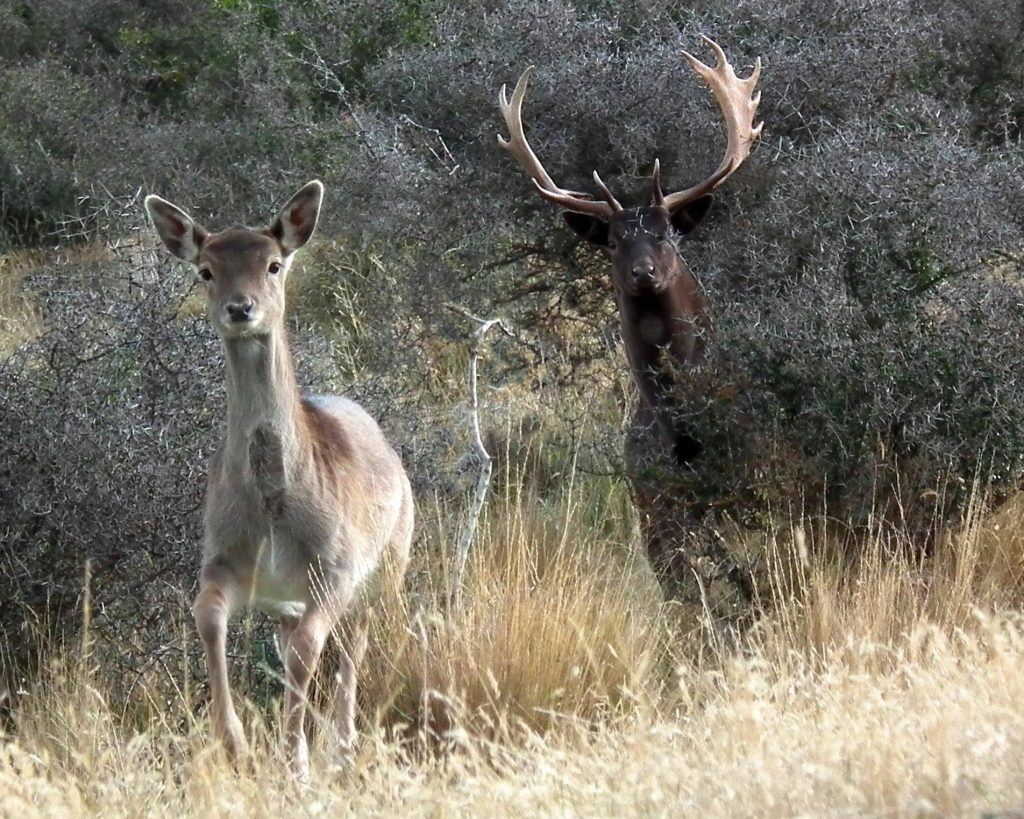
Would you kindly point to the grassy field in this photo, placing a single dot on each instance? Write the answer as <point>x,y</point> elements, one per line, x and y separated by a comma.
<point>876,685</point>
<point>864,272</point>
<point>869,679</point>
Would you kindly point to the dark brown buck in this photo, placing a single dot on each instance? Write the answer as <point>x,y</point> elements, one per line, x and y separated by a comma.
<point>662,311</point>
<point>305,499</point>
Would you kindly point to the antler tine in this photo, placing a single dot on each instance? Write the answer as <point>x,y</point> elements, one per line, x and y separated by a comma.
<point>738,103</point>
<point>521,151</point>
<point>609,197</point>
<point>657,197</point>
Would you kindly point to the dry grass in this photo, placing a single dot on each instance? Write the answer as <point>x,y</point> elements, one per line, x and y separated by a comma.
<point>869,685</point>
<point>561,619</point>
<point>20,313</point>
<point>19,317</point>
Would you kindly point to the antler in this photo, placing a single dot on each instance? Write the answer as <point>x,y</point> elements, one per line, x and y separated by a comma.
<point>738,102</point>
<point>524,155</point>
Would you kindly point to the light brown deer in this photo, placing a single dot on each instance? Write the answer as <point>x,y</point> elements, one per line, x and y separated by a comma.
<point>305,498</point>
<point>663,314</point>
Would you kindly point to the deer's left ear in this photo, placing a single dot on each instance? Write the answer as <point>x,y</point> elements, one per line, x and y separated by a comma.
<point>296,222</point>
<point>690,215</point>
<point>590,228</point>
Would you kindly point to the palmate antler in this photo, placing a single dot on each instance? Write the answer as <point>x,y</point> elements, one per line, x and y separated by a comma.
<point>736,98</point>
<point>524,155</point>
<point>738,101</point>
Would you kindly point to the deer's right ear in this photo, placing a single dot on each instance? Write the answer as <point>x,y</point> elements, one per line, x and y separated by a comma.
<point>296,222</point>
<point>590,228</point>
<point>182,236</point>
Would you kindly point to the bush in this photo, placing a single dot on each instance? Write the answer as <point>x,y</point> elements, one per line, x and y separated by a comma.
<point>863,268</point>
<point>867,318</point>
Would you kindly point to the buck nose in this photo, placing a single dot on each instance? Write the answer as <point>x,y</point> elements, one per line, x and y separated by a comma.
<point>240,309</point>
<point>643,272</point>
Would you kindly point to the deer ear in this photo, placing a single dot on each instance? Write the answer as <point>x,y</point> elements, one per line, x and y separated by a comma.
<point>589,228</point>
<point>690,215</point>
<point>296,222</point>
<point>182,236</point>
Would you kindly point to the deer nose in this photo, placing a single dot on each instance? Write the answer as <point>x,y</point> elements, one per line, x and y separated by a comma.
<point>643,272</point>
<point>239,310</point>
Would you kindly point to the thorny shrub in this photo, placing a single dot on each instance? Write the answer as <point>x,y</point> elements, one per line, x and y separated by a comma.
<point>863,268</point>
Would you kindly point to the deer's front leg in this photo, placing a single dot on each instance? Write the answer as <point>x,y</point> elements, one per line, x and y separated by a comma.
<point>211,610</point>
<point>354,639</point>
<point>302,654</point>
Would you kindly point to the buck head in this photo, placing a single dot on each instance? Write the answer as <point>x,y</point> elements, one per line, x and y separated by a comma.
<point>242,270</point>
<point>641,242</point>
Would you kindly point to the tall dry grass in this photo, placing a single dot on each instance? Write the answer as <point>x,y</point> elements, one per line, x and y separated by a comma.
<point>19,315</point>
<point>875,682</point>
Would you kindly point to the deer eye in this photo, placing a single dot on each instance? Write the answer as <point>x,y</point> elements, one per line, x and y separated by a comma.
<point>274,269</point>
<point>205,274</point>
<point>612,244</point>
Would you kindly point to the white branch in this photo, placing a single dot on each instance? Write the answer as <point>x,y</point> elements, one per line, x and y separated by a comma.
<point>483,481</point>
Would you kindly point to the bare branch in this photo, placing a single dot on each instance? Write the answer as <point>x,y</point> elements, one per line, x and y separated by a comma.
<point>483,482</point>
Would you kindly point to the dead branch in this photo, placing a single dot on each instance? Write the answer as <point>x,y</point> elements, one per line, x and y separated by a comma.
<point>483,481</point>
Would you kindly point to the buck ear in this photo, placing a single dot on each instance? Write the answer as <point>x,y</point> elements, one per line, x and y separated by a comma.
<point>296,222</point>
<point>690,215</point>
<point>590,228</point>
<point>179,233</point>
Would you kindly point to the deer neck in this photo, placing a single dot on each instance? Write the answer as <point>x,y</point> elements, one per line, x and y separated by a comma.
<point>662,333</point>
<point>673,322</point>
<point>262,391</point>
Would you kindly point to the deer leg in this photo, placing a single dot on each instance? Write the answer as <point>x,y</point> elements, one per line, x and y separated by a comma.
<point>211,610</point>
<point>667,560</point>
<point>285,626</point>
<point>302,654</point>
<point>354,640</point>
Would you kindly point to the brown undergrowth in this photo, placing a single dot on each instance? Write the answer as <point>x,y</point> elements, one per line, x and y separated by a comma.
<point>874,682</point>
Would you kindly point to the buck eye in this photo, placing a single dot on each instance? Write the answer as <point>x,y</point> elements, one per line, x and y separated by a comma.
<point>274,269</point>
<point>612,244</point>
<point>205,274</point>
